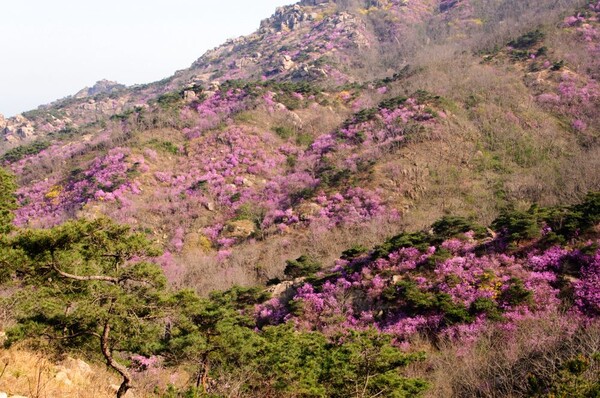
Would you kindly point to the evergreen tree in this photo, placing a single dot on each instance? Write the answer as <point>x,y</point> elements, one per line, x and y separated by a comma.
<point>8,201</point>
<point>87,285</point>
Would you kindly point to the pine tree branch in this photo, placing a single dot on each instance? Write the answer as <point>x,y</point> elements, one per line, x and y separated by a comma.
<point>103,278</point>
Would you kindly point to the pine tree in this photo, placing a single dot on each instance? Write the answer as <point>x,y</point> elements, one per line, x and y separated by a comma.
<point>8,201</point>
<point>88,285</point>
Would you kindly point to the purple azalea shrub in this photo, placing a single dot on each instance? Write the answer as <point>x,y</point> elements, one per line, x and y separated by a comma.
<point>51,201</point>
<point>450,289</point>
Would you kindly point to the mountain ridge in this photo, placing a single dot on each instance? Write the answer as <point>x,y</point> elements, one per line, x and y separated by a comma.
<point>285,17</point>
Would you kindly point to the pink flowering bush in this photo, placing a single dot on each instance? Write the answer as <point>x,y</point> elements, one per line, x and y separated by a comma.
<point>387,126</point>
<point>55,154</point>
<point>356,205</point>
<point>247,173</point>
<point>578,95</point>
<point>237,173</point>
<point>216,109</point>
<point>454,286</point>
<point>51,201</point>
<point>587,288</point>
<point>141,363</point>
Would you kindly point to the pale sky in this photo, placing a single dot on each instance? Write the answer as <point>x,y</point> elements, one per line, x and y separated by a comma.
<point>53,48</point>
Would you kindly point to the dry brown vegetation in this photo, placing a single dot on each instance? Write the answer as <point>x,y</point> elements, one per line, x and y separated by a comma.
<point>504,363</point>
<point>34,375</point>
<point>257,262</point>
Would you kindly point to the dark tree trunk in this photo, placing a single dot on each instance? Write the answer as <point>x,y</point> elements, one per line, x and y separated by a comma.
<point>110,361</point>
<point>203,372</point>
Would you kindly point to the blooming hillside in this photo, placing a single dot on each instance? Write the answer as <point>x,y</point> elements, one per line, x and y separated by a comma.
<point>188,232</point>
<point>454,281</point>
<point>256,162</point>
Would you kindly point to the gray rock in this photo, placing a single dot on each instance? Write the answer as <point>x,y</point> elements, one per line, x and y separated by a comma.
<point>11,139</point>
<point>286,63</point>
<point>279,289</point>
<point>313,3</point>
<point>243,62</point>
<point>26,132</point>
<point>78,365</point>
<point>101,87</point>
<point>189,96</point>
<point>239,229</point>
<point>63,378</point>
<point>286,18</point>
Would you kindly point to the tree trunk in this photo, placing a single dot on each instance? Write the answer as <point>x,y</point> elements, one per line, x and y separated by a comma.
<point>203,371</point>
<point>205,376</point>
<point>110,361</point>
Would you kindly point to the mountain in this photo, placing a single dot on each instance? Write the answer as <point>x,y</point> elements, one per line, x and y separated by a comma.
<point>333,114</point>
<point>333,127</point>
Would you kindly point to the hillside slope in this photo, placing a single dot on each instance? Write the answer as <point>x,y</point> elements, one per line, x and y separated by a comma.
<point>364,198</point>
<point>335,123</point>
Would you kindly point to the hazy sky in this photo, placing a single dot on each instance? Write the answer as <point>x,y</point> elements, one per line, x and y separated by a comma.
<point>53,48</point>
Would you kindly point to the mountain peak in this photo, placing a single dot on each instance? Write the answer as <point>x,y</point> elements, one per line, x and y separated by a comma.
<point>315,2</point>
<point>286,18</point>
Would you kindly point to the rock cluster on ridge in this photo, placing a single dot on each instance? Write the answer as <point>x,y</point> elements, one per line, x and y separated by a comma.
<point>101,87</point>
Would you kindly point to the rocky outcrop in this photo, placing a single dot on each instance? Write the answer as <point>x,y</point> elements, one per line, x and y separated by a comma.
<point>17,129</point>
<point>309,72</point>
<point>239,229</point>
<point>101,87</point>
<point>286,63</point>
<point>86,109</point>
<point>91,110</point>
<point>67,379</point>
<point>285,290</point>
<point>306,211</point>
<point>446,5</point>
<point>72,371</point>
<point>362,3</point>
<point>312,3</point>
<point>285,19</point>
